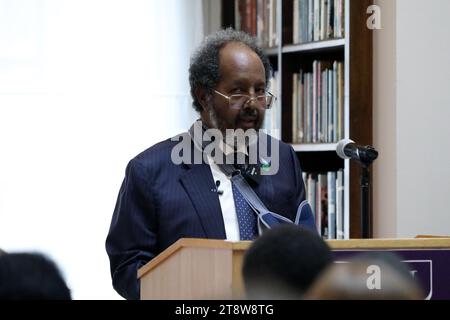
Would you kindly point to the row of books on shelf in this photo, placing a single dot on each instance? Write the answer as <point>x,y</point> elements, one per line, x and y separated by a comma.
<point>318,103</point>
<point>258,18</point>
<point>317,20</point>
<point>272,118</point>
<point>325,194</point>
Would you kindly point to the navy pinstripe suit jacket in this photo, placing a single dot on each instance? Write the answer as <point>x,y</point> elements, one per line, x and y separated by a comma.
<point>160,202</point>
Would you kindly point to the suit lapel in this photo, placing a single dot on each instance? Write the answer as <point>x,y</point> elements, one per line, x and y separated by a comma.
<point>198,182</point>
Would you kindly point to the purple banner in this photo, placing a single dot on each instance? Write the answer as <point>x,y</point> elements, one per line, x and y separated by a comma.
<point>431,267</point>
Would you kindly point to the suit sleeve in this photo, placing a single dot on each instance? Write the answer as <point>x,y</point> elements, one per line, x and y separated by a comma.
<point>131,240</point>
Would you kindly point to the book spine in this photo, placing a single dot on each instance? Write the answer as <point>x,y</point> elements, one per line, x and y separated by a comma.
<point>314,103</point>
<point>335,102</point>
<point>316,34</point>
<point>295,107</point>
<point>324,107</point>
<point>323,16</point>
<point>237,14</point>
<point>330,106</point>
<point>331,205</point>
<point>295,22</point>
<point>310,20</point>
<point>340,205</point>
<point>300,108</point>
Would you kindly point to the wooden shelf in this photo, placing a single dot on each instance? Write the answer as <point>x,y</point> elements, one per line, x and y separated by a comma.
<point>271,51</point>
<point>315,46</point>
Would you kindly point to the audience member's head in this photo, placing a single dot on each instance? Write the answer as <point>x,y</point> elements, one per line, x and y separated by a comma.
<point>31,276</point>
<point>2,252</point>
<point>370,276</point>
<point>283,262</point>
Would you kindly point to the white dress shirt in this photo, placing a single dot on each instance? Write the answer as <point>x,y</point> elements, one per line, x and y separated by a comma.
<point>226,199</point>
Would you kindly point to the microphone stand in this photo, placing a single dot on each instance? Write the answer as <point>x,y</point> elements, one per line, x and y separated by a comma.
<point>366,158</point>
<point>365,201</point>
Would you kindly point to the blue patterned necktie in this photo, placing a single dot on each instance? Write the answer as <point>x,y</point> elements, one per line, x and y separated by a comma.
<point>246,216</point>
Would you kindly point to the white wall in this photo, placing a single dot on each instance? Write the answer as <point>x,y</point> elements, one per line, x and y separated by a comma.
<point>384,123</point>
<point>422,110</point>
<point>84,86</point>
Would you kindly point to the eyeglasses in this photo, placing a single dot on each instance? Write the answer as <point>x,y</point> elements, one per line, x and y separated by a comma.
<point>236,101</point>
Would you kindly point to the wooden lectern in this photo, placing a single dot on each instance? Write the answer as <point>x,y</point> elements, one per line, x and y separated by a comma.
<point>211,269</point>
<point>195,269</point>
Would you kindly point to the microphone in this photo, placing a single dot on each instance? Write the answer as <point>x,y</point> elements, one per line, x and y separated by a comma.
<point>347,149</point>
<point>219,192</point>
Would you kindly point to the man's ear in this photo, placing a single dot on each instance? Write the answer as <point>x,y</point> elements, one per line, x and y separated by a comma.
<point>202,97</point>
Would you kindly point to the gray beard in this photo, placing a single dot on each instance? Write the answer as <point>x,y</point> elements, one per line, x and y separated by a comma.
<point>228,136</point>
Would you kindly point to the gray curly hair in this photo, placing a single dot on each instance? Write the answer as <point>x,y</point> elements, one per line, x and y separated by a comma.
<point>204,68</point>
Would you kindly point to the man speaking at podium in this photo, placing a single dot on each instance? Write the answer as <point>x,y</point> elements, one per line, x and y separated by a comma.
<point>168,194</point>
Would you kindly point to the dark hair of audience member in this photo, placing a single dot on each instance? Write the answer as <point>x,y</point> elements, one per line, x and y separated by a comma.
<point>31,276</point>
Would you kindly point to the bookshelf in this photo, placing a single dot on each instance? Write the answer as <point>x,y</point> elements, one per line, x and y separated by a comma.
<point>350,79</point>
